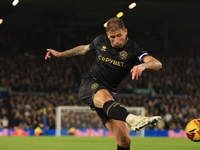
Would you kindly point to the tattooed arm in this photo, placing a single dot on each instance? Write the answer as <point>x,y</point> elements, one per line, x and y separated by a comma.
<point>79,50</point>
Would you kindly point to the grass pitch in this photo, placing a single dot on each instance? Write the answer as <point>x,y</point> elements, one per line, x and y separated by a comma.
<point>93,143</point>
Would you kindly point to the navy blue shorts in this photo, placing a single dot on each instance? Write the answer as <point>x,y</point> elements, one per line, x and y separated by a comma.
<point>88,88</point>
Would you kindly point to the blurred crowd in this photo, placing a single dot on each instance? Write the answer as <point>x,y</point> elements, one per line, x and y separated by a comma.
<point>37,86</point>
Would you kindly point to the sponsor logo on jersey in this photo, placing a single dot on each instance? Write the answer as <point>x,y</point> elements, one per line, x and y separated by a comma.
<point>103,48</point>
<point>111,61</point>
<point>94,86</point>
<point>123,55</point>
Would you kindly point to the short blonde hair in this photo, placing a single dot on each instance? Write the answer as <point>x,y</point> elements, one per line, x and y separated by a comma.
<point>114,24</point>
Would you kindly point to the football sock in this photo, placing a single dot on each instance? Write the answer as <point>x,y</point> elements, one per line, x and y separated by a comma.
<point>122,148</point>
<point>115,111</point>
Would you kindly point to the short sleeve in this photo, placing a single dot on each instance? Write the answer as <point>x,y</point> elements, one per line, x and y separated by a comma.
<point>140,53</point>
<point>94,43</point>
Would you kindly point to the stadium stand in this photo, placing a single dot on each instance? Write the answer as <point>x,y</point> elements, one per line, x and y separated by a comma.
<point>36,84</point>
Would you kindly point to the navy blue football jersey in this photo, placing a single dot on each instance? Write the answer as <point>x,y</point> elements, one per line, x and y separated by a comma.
<point>112,65</point>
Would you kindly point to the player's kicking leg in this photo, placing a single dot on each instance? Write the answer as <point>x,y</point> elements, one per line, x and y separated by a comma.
<point>120,131</point>
<point>113,109</point>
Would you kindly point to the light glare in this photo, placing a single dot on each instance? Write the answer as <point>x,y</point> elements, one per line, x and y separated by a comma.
<point>131,6</point>
<point>120,14</point>
<point>15,2</point>
<point>105,24</point>
<point>1,21</point>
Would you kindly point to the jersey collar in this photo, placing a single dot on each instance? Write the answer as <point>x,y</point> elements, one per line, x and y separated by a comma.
<point>126,40</point>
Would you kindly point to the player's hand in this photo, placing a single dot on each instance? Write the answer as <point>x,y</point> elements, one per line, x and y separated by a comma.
<point>52,52</point>
<point>137,71</point>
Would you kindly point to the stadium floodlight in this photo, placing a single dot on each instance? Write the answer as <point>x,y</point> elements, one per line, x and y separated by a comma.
<point>1,21</point>
<point>15,2</point>
<point>131,6</point>
<point>120,14</point>
<point>105,24</point>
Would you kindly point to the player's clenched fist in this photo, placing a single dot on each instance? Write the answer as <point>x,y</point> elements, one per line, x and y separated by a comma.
<point>52,52</point>
<point>137,71</point>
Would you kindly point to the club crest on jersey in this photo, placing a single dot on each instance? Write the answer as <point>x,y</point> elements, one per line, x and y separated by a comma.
<point>103,48</point>
<point>94,86</point>
<point>123,54</point>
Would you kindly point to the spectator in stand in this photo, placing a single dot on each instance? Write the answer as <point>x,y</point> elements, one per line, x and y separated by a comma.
<point>51,124</point>
<point>5,122</point>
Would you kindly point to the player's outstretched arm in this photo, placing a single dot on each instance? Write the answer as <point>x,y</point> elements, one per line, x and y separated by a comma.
<point>79,50</point>
<point>149,63</point>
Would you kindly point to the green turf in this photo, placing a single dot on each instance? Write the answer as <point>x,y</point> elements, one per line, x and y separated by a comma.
<point>94,143</point>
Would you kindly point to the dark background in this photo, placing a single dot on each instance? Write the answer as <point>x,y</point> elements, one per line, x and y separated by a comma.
<point>79,15</point>
<point>53,18</point>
